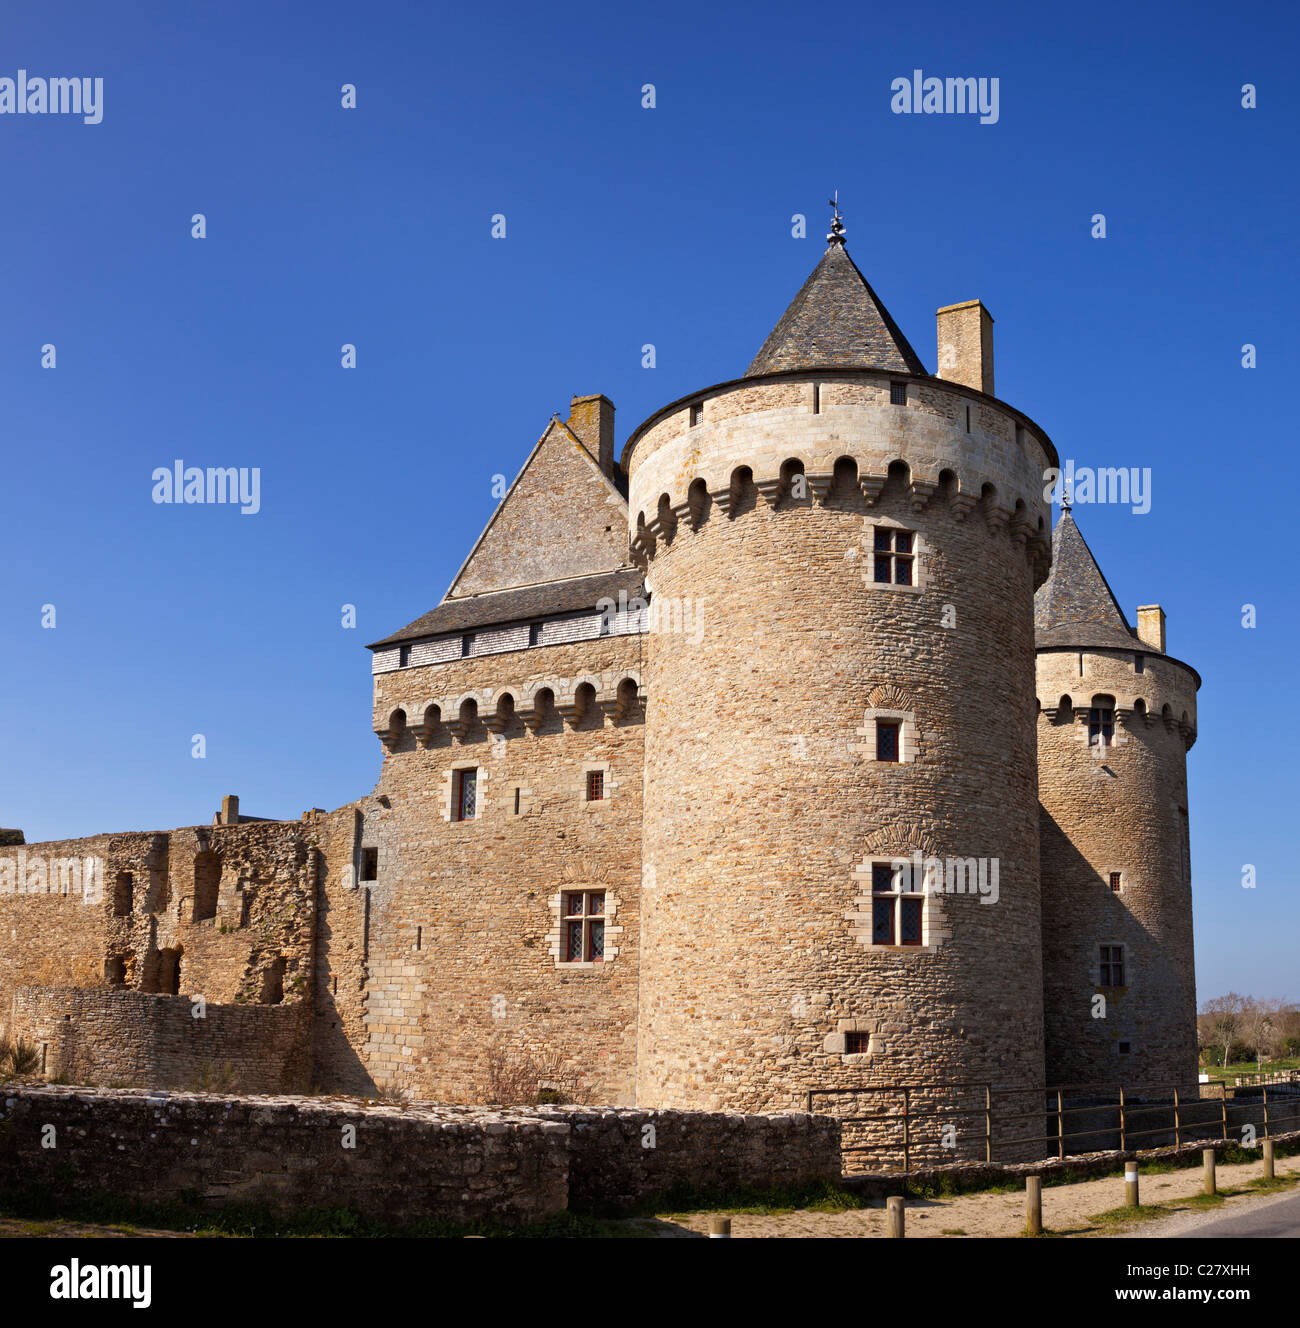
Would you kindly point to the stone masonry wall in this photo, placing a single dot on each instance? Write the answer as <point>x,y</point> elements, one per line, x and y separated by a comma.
<point>393,1165</point>
<point>396,1164</point>
<point>226,912</point>
<point>105,941</point>
<point>766,806</point>
<point>1121,809</point>
<point>99,1036</point>
<point>618,1159</point>
<point>465,986</point>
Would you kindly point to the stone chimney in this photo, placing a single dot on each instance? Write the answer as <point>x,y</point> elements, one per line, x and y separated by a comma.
<point>1151,626</point>
<point>966,345</point>
<point>230,810</point>
<point>592,419</point>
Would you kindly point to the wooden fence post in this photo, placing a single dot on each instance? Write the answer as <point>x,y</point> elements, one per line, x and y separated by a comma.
<point>1034,1205</point>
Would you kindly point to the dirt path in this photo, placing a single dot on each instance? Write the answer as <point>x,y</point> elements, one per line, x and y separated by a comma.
<point>1066,1209</point>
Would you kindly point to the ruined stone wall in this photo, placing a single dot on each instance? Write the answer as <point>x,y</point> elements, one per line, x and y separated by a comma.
<point>765,803</point>
<point>53,908</point>
<point>465,983</point>
<point>1118,809</point>
<point>226,913</point>
<point>102,1036</point>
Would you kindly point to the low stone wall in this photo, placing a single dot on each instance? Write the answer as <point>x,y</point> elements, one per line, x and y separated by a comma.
<point>621,1157</point>
<point>399,1164</point>
<point>106,1036</point>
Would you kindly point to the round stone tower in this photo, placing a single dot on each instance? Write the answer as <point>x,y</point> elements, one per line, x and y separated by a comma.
<point>1117,716</point>
<point>841,832</point>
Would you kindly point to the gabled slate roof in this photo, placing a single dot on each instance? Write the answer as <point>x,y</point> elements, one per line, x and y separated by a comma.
<point>836,319</point>
<point>1075,606</point>
<point>518,604</point>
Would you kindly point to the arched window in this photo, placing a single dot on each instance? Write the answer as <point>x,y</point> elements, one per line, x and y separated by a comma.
<point>699,503</point>
<point>743,495</point>
<point>629,702</point>
<point>586,712</point>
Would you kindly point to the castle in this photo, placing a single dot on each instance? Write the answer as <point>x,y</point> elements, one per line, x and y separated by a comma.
<point>788,751</point>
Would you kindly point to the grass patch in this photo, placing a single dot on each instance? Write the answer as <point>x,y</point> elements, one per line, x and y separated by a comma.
<point>949,1186</point>
<point>1201,1200</point>
<point>818,1196</point>
<point>38,1211</point>
<point>1126,1214</point>
<point>952,1231</point>
<point>1265,1186</point>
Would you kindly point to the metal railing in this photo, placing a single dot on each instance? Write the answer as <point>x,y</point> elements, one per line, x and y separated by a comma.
<point>914,1122</point>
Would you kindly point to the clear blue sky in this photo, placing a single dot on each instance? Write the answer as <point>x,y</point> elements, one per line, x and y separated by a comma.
<point>624,226</point>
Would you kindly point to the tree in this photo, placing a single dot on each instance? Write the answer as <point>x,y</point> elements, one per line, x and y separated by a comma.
<point>1225,1015</point>
<point>1261,1026</point>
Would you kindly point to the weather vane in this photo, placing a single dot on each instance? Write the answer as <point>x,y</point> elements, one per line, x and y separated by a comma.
<point>1065,496</point>
<point>837,222</point>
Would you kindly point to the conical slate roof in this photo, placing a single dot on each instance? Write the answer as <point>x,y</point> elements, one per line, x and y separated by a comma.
<point>1075,606</point>
<point>836,319</point>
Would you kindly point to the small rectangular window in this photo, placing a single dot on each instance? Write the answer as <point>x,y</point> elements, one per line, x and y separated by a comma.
<point>817,398</point>
<point>1125,1048</point>
<point>857,1044</point>
<point>518,794</point>
<point>1116,881</point>
<point>697,412</point>
<point>369,864</point>
<point>968,419</point>
<point>464,795</point>
<point>898,394</point>
<point>595,785</point>
<point>467,645</point>
<point>1139,663</point>
<point>584,927</point>
<point>896,918</point>
<point>1112,966</point>
<point>909,922</point>
<point>886,740</point>
<point>895,551</point>
<point>1101,726</point>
